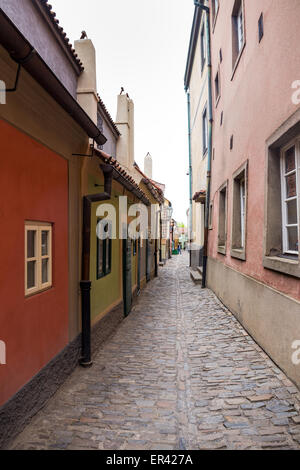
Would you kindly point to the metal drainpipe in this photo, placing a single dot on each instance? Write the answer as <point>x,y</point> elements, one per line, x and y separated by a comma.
<point>86,284</point>
<point>209,153</point>
<point>190,173</point>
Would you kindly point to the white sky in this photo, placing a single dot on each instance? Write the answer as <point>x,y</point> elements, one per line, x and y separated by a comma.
<point>142,45</point>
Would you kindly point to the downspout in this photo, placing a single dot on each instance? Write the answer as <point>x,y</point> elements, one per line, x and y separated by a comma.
<point>86,283</point>
<point>190,175</point>
<point>209,153</point>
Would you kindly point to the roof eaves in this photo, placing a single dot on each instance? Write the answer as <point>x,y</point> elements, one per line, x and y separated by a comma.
<point>192,46</point>
<point>123,175</point>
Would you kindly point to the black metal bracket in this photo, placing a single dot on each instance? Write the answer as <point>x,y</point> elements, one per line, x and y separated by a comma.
<point>84,154</point>
<point>11,90</point>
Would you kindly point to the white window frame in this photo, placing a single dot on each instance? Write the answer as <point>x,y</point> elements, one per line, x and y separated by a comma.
<point>204,130</point>
<point>284,200</point>
<point>38,227</point>
<point>240,28</point>
<point>243,210</point>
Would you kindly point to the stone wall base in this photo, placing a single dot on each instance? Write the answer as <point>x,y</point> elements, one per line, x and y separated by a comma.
<point>270,317</point>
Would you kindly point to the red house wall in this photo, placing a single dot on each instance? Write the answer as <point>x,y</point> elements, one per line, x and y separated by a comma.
<point>33,186</point>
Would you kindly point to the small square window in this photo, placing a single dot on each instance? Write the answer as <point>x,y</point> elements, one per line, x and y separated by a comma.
<point>215,9</point>
<point>239,215</point>
<point>222,232</point>
<point>104,251</point>
<point>204,130</point>
<point>217,86</point>
<point>238,30</point>
<point>38,257</point>
<point>260,27</point>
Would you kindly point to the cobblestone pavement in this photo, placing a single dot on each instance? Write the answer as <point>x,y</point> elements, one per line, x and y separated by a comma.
<point>179,373</point>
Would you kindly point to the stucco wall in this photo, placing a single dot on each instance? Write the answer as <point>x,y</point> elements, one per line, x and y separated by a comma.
<point>34,186</point>
<point>199,98</point>
<point>29,20</point>
<point>256,100</point>
<point>26,109</point>
<point>272,318</point>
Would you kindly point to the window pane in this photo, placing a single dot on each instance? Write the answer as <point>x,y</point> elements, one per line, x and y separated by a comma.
<point>45,236</point>
<point>31,274</point>
<point>45,264</point>
<point>99,258</point>
<point>107,260</point>
<point>293,238</point>
<point>31,236</point>
<point>292,212</point>
<point>291,185</point>
<point>290,160</point>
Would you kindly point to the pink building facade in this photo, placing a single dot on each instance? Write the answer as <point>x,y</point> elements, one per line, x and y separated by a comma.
<point>253,247</point>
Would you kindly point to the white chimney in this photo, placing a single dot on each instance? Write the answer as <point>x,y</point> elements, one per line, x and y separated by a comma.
<point>148,165</point>
<point>125,124</point>
<point>87,81</point>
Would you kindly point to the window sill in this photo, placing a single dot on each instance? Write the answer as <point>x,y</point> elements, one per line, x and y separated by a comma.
<point>282,265</point>
<point>222,250</point>
<point>238,60</point>
<point>238,253</point>
<point>28,295</point>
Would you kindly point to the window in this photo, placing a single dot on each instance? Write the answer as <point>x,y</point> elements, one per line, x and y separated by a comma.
<point>217,87</point>
<point>282,199</point>
<point>215,9</point>
<point>231,143</point>
<point>221,56</point>
<point>134,247</point>
<point>203,48</point>
<point>239,204</point>
<point>238,33</point>
<point>260,27</point>
<point>204,130</point>
<point>104,253</point>
<point>210,218</point>
<point>290,164</point>
<point>221,118</point>
<point>222,233</point>
<point>38,257</point>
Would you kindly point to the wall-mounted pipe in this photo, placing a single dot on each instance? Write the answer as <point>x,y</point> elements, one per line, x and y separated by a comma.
<point>86,284</point>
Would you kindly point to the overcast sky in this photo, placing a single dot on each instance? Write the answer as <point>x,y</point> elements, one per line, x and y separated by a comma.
<point>142,45</point>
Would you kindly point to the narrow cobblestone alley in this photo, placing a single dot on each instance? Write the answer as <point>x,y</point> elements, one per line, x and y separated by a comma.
<point>179,373</point>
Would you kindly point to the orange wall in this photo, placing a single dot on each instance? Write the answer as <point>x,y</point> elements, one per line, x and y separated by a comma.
<point>33,186</point>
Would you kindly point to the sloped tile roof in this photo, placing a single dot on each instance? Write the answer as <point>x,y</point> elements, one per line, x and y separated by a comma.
<point>52,16</point>
<point>113,162</point>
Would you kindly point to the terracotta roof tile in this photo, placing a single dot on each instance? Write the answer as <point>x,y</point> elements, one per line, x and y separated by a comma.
<point>107,114</point>
<point>112,161</point>
<point>52,15</point>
